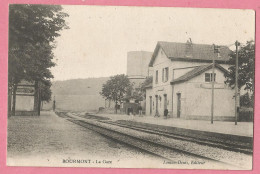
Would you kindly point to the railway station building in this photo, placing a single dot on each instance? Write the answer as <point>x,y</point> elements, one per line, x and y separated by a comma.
<point>182,82</point>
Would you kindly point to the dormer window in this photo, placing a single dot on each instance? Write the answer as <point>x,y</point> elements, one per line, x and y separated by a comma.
<point>209,77</point>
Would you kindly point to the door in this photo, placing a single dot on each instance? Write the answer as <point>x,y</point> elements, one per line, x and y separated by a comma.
<point>178,105</point>
<point>165,102</point>
<point>151,105</point>
<point>156,105</point>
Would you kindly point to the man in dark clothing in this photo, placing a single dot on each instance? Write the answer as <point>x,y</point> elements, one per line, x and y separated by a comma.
<point>54,105</point>
<point>140,110</point>
<point>166,113</point>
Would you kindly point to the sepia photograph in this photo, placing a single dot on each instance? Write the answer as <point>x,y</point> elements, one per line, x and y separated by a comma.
<point>130,87</point>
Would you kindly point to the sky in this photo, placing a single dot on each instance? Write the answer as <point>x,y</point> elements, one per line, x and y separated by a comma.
<point>99,37</point>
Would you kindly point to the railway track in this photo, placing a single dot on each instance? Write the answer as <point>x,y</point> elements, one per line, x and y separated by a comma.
<point>226,146</point>
<point>241,147</point>
<point>161,150</point>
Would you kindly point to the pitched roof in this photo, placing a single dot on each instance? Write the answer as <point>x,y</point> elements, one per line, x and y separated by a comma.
<point>196,52</point>
<point>195,72</point>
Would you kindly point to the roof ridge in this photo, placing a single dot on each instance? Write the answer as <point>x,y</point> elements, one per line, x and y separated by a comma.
<point>202,44</point>
<point>198,52</point>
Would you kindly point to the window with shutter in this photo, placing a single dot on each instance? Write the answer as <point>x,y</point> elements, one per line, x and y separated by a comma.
<point>209,77</point>
<point>156,77</point>
<point>163,75</point>
<point>166,74</point>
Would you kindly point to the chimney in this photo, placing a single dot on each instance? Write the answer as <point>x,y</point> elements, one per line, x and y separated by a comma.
<point>189,48</point>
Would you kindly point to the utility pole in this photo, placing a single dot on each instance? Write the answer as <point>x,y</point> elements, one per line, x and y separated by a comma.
<point>236,83</point>
<point>213,78</point>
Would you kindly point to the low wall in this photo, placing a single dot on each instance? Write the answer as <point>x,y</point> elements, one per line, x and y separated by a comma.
<point>26,113</point>
<point>216,118</point>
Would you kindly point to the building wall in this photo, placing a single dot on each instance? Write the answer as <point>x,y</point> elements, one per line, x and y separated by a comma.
<point>175,70</point>
<point>25,99</point>
<point>196,98</point>
<point>24,103</point>
<point>195,94</point>
<point>161,88</point>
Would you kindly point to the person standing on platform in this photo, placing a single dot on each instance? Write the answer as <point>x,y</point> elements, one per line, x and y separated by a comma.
<point>140,110</point>
<point>166,113</point>
<point>54,105</point>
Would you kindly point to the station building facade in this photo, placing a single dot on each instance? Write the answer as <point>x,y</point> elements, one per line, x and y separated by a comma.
<point>182,82</point>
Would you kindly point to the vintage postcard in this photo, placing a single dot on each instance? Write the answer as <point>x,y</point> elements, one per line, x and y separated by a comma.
<point>130,87</point>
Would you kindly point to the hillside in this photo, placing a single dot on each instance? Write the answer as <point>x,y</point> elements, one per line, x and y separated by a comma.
<point>78,94</point>
<point>89,86</point>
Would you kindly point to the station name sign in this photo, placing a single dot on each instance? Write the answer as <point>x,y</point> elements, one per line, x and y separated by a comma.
<point>25,90</point>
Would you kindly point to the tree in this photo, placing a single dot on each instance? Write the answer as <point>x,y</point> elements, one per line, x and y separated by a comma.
<point>148,81</point>
<point>45,92</point>
<point>134,93</point>
<point>246,67</point>
<point>247,100</point>
<point>32,32</point>
<point>246,71</point>
<point>115,89</point>
<point>138,93</point>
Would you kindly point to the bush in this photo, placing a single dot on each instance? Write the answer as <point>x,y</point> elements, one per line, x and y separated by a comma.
<point>246,114</point>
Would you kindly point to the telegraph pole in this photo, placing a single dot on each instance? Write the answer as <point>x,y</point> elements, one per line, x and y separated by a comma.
<point>236,83</point>
<point>212,88</point>
<point>213,78</point>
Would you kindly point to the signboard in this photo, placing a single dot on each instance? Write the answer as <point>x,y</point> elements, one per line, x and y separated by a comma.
<point>25,90</point>
<point>209,86</point>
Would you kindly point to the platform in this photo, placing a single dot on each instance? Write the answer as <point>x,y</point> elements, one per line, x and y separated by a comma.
<point>223,127</point>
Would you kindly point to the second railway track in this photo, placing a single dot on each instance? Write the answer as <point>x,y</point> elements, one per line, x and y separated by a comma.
<point>164,151</point>
<point>223,144</point>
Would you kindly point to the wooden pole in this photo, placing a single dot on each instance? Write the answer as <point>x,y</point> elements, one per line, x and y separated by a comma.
<point>236,84</point>
<point>213,79</point>
<point>36,97</point>
<point>39,102</point>
<point>212,90</point>
<point>14,99</point>
<point>9,101</point>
